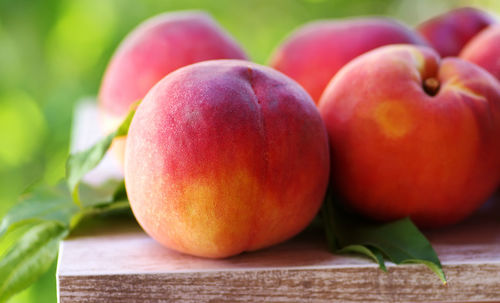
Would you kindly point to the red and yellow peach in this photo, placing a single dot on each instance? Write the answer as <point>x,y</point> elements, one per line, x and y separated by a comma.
<point>413,135</point>
<point>225,156</point>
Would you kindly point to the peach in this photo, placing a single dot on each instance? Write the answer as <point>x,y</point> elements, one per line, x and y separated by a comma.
<point>314,53</point>
<point>484,50</point>
<point>225,156</point>
<point>155,48</point>
<point>448,33</point>
<point>413,135</point>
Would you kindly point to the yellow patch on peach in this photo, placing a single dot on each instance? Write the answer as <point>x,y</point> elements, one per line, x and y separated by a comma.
<point>416,67</point>
<point>418,60</point>
<point>461,88</point>
<point>393,119</point>
<point>222,207</point>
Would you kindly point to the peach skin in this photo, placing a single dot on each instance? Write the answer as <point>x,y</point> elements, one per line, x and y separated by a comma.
<point>155,48</point>
<point>448,33</point>
<point>313,53</point>
<point>413,135</point>
<point>484,50</point>
<point>225,156</point>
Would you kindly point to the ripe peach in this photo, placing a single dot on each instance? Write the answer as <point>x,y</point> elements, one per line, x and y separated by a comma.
<point>313,53</point>
<point>155,48</point>
<point>484,50</point>
<point>413,135</point>
<point>225,156</point>
<point>448,33</point>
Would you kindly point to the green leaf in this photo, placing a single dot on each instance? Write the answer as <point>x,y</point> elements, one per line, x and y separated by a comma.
<point>109,191</point>
<point>124,126</point>
<point>399,241</point>
<point>81,163</point>
<point>30,257</point>
<point>110,197</point>
<point>13,235</point>
<point>106,208</point>
<point>370,252</point>
<point>44,203</point>
<point>32,229</point>
<point>55,204</point>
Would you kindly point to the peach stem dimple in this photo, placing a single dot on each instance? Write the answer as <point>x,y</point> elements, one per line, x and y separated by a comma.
<point>431,86</point>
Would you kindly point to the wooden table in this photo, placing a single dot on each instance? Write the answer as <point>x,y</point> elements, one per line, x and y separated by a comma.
<point>116,261</point>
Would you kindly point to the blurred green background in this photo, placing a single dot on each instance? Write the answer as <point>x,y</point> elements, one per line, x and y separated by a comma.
<point>54,52</point>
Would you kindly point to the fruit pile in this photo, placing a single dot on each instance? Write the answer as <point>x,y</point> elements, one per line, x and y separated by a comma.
<point>225,156</point>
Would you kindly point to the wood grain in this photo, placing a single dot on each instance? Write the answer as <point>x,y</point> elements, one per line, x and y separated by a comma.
<point>112,260</point>
<point>125,265</point>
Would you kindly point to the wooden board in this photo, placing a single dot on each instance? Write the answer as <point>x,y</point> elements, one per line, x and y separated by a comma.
<point>115,261</point>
